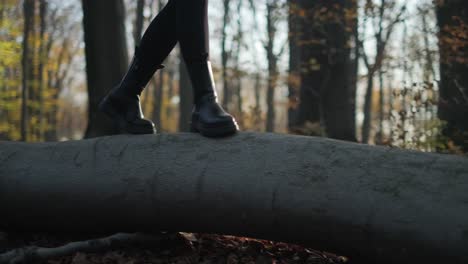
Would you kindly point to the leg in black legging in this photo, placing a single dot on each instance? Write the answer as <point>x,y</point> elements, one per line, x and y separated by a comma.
<point>208,117</point>
<point>185,21</point>
<point>157,42</point>
<point>193,36</point>
<point>159,38</point>
<point>192,30</point>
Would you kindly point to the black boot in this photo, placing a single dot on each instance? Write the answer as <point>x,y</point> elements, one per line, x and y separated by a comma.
<point>208,117</point>
<point>122,103</point>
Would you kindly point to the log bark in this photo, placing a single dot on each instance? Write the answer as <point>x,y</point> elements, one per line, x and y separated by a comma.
<point>376,204</point>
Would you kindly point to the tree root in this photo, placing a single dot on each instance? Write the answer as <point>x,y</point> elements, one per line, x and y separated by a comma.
<point>37,254</point>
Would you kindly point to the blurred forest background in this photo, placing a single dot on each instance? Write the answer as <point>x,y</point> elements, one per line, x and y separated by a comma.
<point>385,72</point>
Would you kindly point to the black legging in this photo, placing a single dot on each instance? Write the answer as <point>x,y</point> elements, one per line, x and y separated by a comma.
<point>183,21</point>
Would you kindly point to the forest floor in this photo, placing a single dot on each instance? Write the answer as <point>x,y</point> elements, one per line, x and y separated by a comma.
<point>181,249</point>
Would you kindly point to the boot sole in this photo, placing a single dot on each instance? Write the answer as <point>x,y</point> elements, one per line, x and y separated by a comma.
<point>107,108</point>
<point>213,131</point>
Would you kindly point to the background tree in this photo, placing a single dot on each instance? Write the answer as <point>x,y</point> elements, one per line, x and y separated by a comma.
<point>274,15</point>
<point>26,62</point>
<point>225,54</point>
<point>106,57</point>
<point>322,74</point>
<point>452,17</point>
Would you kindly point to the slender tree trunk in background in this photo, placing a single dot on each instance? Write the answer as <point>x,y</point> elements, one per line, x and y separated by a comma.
<point>225,56</point>
<point>186,97</point>
<point>353,71</point>
<point>380,135</point>
<point>429,72</point>
<point>429,76</point>
<point>272,59</point>
<point>403,103</point>
<point>257,91</point>
<point>33,87</point>
<point>170,91</point>
<point>106,58</point>
<point>294,75</point>
<point>51,116</point>
<point>43,13</point>
<point>366,125</point>
<point>452,17</point>
<point>28,11</point>
<point>139,20</point>
<point>389,78</point>
<point>51,134</point>
<point>2,11</point>
<point>371,70</point>
<point>239,101</point>
<point>3,87</point>
<point>272,80</point>
<point>239,39</point>
<point>257,111</point>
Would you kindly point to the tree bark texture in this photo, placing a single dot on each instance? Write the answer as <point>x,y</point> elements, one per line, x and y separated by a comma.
<point>372,204</point>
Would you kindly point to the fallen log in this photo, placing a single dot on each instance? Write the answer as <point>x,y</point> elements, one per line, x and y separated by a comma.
<point>374,204</point>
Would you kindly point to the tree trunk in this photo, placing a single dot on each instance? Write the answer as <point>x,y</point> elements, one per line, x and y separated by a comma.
<point>28,11</point>
<point>379,137</point>
<point>272,60</point>
<point>237,78</point>
<point>225,56</point>
<point>452,18</point>
<point>338,89</point>
<point>170,91</point>
<point>310,77</point>
<point>294,79</point>
<point>43,13</point>
<point>106,58</point>
<point>377,204</point>
<point>322,74</point>
<point>366,125</point>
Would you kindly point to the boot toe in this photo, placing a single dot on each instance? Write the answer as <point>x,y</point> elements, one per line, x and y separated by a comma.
<point>218,121</point>
<point>140,126</point>
<point>142,122</point>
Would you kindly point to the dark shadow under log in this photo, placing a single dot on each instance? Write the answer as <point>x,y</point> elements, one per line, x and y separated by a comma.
<point>370,203</point>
